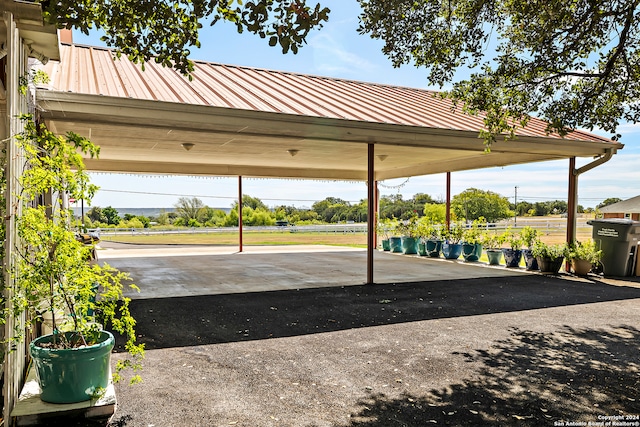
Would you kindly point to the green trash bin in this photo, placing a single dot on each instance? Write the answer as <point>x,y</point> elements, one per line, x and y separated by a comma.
<point>618,239</point>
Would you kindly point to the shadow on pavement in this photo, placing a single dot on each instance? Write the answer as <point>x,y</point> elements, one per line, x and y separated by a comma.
<point>531,379</point>
<point>210,319</point>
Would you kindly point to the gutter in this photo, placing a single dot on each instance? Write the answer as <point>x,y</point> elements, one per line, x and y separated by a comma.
<point>573,189</point>
<point>600,160</point>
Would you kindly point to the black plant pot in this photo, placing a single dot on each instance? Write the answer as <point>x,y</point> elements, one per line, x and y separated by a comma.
<point>530,261</point>
<point>512,257</point>
<point>550,265</point>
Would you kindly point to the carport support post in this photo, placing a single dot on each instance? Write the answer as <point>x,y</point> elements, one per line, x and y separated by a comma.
<point>239,213</point>
<point>371,214</point>
<point>376,212</point>
<point>448,208</point>
<point>572,201</point>
<point>572,204</point>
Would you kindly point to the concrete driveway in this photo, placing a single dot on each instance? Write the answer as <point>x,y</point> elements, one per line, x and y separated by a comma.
<point>174,271</point>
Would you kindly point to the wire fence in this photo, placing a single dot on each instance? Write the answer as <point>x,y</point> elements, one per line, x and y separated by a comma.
<point>543,225</point>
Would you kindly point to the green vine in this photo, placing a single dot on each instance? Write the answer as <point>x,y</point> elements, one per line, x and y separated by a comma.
<point>54,271</point>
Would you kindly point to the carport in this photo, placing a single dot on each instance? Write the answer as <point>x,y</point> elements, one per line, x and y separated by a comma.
<point>240,121</point>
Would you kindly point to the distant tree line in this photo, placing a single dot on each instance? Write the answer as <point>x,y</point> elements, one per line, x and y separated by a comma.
<point>469,205</point>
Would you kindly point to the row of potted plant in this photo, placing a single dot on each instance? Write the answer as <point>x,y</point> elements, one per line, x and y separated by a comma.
<point>418,236</point>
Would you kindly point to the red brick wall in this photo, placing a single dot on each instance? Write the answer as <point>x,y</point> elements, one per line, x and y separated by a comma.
<point>635,216</point>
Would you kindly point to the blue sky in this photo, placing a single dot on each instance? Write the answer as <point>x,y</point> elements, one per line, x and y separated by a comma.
<point>337,50</point>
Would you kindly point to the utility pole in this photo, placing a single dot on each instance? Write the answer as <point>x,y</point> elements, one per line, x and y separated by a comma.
<point>515,211</point>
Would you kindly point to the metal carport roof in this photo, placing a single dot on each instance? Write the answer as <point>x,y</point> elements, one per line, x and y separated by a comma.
<point>244,121</point>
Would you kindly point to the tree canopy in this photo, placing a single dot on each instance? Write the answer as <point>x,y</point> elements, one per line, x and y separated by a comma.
<point>163,30</point>
<point>608,201</point>
<point>473,204</point>
<point>573,63</point>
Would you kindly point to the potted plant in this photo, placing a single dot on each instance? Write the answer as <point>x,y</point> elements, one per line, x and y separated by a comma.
<point>395,239</point>
<point>409,233</point>
<point>529,236</point>
<point>492,242</point>
<point>549,257</point>
<point>54,275</point>
<point>425,230</point>
<point>472,240</point>
<point>452,248</point>
<point>433,243</point>
<point>583,256</point>
<point>383,229</point>
<point>512,253</point>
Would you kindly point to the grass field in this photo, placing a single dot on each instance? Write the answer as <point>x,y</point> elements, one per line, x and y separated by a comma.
<point>553,236</point>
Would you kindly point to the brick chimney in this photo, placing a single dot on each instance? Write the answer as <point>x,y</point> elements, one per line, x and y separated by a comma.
<point>65,36</point>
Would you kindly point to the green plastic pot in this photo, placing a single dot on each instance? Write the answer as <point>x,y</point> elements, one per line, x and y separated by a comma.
<point>471,252</point>
<point>494,256</point>
<point>422,249</point>
<point>395,244</point>
<point>409,245</point>
<point>433,248</point>
<point>75,374</point>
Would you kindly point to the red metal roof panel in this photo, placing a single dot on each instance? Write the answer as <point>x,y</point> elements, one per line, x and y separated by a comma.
<point>95,71</point>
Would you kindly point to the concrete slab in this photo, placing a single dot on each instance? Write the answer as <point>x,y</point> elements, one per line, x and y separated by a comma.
<point>174,271</point>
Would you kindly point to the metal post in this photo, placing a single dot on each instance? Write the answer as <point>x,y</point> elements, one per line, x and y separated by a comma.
<point>371,212</point>
<point>572,205</point>
<point>376,208</point>
<point>448,208</point>
<point>515,204</point>
<point>239,213</point>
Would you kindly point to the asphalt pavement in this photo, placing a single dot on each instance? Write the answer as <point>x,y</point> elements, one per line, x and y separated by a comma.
<point>292,337</point>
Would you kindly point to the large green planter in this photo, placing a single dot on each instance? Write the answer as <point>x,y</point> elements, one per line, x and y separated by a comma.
<point>409,245</point>
<point>75,374</point>
<point>395,244</point>
<point>433,248</point>
<point>471,252</point>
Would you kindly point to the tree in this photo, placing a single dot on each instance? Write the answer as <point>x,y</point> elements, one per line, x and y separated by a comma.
<point>111,215</point>
<point>472,204</point>
<point>574,63</point>
<point>253,203</point>
<point>163,30</point>
<point>331,209</point>
<point>190,208</point>
<point>95,214</point>
<point>608,201</point>
<point>435,212</point>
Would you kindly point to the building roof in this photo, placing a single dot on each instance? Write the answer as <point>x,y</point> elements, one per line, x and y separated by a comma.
<point>631,205</point>
<point>41,38</point>
<point>246,121</point>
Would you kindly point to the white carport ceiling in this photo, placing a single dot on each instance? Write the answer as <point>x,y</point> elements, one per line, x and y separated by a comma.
<point>243,121</point>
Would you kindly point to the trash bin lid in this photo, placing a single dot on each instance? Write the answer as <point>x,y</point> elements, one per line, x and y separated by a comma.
<point>619,221</point>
